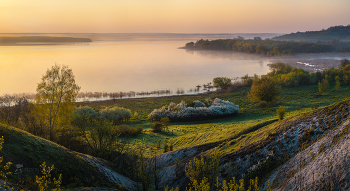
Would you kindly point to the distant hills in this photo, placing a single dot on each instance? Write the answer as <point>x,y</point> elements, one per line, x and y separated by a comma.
<point>340,33</point>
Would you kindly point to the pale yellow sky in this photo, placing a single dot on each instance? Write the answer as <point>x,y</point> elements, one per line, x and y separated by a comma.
<point>170,16</point>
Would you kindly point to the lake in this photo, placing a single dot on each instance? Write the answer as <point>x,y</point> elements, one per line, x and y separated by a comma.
<point>128,62</point>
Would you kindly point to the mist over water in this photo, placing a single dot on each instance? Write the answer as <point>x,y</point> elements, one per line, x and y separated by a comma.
<point>128,62</point>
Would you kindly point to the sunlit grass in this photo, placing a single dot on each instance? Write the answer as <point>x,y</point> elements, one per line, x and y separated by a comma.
<point>184,134</point>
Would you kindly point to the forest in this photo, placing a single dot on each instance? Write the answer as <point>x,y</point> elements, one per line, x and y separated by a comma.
<point>340,33</point>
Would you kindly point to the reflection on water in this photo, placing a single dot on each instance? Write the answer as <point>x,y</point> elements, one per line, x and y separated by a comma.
<point>128,65</point>
<point>120,66</point>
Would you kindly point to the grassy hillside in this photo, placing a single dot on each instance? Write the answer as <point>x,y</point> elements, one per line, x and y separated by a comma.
<point>257,153</point>
<point>30,151</point>
<point>252,137</point>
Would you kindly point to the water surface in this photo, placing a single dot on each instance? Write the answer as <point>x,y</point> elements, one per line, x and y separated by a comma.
<point>114,63</point>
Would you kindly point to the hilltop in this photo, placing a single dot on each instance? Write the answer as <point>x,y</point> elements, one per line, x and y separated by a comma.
<point>340,33</point>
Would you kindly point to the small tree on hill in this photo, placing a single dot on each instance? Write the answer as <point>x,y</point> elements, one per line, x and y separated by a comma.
<point>281,111</point>
<point>55,98</point>
<point>346,79</point>
<point>337,83</point>
<point>264,89</point>
<point>323,86</point>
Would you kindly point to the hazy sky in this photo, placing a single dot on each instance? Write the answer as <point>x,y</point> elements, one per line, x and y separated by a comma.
<point>171,16</point>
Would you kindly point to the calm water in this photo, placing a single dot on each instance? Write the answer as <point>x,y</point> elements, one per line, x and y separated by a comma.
<point>126,63</point>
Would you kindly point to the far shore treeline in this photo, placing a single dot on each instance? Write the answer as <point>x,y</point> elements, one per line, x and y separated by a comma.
<point>32,39</point>
<point>334,39</point>
<point>269,47</point>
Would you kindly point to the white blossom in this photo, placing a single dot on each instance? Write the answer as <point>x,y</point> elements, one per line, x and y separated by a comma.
<point>182,112</point>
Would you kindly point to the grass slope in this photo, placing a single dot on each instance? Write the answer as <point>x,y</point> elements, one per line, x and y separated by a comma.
<point>186,134</point>
<point>259,151</point>
<point>24,148</point>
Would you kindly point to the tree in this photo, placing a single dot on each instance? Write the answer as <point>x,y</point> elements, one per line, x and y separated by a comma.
<point>189,45</point>
<point>322,86</point>
<point>276,51</point>
<point>280,112</point>
<point>257,38</point>
<point>55,98</point>
<point>346,79</point>
<point>222,82</point>
<point>260,49</point>
<point>337,83</point>
<point>264,89</point>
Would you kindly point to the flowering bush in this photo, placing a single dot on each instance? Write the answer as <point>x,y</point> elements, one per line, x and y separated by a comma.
<point>84,113</point>
<point>181,112</point>
<point>116,114</point>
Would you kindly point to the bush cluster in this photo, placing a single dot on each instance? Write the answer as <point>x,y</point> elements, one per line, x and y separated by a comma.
<point>180,112</point>
<point>126,131</point>
<point>114,114</point>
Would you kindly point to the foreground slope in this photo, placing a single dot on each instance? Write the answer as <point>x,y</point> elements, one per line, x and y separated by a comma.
<point>322,166</point>
<point>258,152</point>
<point>27,152</point>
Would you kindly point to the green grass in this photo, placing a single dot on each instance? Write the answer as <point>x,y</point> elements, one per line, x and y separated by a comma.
<point>24,148</point>
<point>184,134</point>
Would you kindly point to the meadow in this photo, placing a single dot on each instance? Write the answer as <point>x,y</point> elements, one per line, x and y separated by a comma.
<point>183,134</point>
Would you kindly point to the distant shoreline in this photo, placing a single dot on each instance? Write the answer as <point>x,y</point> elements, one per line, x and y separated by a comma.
<point>39,40</point>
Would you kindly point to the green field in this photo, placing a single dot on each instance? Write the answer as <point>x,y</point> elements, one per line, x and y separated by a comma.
<point>184,134</point>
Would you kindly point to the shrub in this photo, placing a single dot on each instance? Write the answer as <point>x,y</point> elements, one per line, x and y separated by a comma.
<point>314,106</point>
<point>84,113</point>
<point>337,83</point>
<point>198,104</point>
<point>248,81</point>
<point>264,89</point>
<point>181,112</point>
<point>244,93</point>
<point>322,148</point>
<point>126,131</point>
<point>323,86</point>
<point>281,112</point>
<point>158,126</point>
<point>116,114</point>
<point>166,147</point>
<point>262,104</point>
<point>222,82</point>
<point>298,108</point>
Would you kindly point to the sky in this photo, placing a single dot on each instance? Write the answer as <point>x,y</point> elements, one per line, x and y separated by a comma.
<point>171,16</point>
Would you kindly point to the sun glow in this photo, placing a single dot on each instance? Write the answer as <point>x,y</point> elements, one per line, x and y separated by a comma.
<point>194,16</point>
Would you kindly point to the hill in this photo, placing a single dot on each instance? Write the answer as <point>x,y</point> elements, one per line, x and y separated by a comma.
<point>276,145</point>
<point>27,152</point>
<point>340,33</point>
